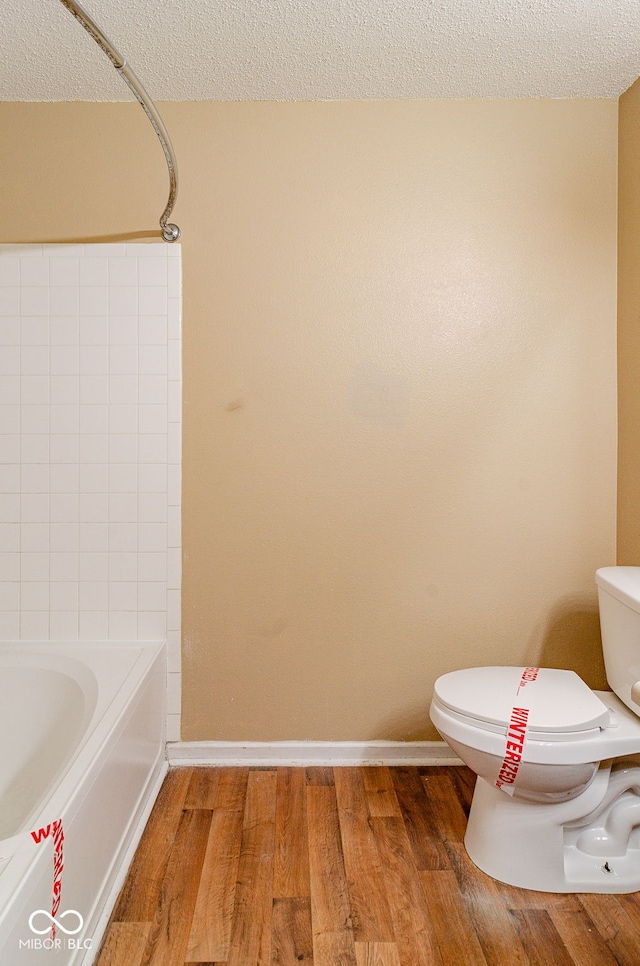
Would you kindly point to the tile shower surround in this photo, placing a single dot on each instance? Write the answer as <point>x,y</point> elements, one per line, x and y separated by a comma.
<point>90,446</point>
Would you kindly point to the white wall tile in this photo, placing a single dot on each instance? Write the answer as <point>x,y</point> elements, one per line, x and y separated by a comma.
<point>152,595</point>
<point>9,537</point>
<point>64,419</point>
<point>64,300</point>
<point>89,335</point>
<point>63,478</point>
<point>9,595</point>
<point>34,595</point>
<point>10,626</point>
<point>152,300</point>
<point>123,448</point>
<point>94,330</point>
<point>64,390</point>
<point>64,507</point>
<point>152,270</point>
<point>173,693</point>
<point>65,567</point>
<point>123,625</point>
<point>34,360</point>
<point>64,330</point>
<point>10,361</point>
<point>9,330</point>
<point>123,300</point>
<point>93,300</point>
<point>123,330</point>
<point>9,508</point>
<point>63,625</point>
<point>35,448</point>
<point>123,508</point>
<point>173,727</point>
<point>33,566</point>
<point>10,448</point>
<point>94,360</point>
<point>152,359</point>
<point>64,271</point>
<point>9,477</point>
<point>93,537</point>
<point>174,654</point>
<point>152,625</point>
<point>153,567</point>
<point>94,419</point>
<point>123,418</point>
<point>94,478</point>
<point>9,272</point>
<point>123,566</point>
<point>152,477</point>
<point>34,301</point>
<point>123,595</point>
<point>123,271</point>
<point>123,537</point>
<point>64,595</point>
<point>34,538</point>
<point>152,418</point>
<point>64,360</point>
<point>11,420</point>
<point>93,595</point>
<point>153,447</point>
<point>64,537</point>
<point>9,566</point>
<point>94,271</point>
<point>93,567</point>
<point>34,390</point>
<point>35,508</point>
<point>10,300</point>
<point>93,625</point>
<point>94,507</point>
<point>123,389</point>
<point>94,448</point>
<point>152,329</point>
<point>34,625</point>
<point>34,478</point>
<point>34,271</point>
<point>64,448</point>
<point>152,389</point>
<point>34,330</point>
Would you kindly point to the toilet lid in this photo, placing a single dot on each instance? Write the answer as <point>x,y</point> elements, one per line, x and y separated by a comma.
<point>559,702</point>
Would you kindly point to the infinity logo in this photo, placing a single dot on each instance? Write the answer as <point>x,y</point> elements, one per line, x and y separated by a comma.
<point>55,922</point>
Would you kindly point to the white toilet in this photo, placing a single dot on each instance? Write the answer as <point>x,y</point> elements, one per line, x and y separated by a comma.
<point>557,801</point>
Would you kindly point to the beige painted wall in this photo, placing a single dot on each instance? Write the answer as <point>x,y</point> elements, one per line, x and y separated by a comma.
<point>399,414</point>
<point>629,329</point>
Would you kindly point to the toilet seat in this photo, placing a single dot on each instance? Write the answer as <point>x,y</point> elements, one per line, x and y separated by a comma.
<point>559,705</point>
<point>617,734</point>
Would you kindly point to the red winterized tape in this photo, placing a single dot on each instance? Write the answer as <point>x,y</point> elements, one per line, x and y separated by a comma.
<point>516,734</point>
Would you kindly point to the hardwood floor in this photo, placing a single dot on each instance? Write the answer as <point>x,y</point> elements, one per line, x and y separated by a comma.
<point>340,867</point>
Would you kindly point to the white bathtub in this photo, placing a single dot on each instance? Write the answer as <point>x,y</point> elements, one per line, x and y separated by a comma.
<point>81,740</point>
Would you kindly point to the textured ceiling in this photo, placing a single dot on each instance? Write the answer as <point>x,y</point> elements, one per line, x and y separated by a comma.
<point>323,49</point>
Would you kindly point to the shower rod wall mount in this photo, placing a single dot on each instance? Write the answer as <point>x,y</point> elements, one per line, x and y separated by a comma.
<point>170,232</point>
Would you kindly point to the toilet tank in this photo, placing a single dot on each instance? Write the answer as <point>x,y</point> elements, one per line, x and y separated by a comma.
<point>619,603</point>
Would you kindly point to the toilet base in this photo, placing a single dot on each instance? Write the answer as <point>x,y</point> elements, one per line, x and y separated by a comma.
<point>588,844</point>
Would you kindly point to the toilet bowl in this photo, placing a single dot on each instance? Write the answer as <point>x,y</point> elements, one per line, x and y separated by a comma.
<point>557,801</point>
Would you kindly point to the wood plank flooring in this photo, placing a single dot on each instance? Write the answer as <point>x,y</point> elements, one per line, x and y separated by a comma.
<point>340,867</point>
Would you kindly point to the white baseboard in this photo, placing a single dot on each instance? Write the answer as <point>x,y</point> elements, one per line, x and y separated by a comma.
<point>309,753</point>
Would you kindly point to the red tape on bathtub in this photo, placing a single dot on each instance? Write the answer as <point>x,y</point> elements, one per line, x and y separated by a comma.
<point>55,832</point>
<point>516,736</point>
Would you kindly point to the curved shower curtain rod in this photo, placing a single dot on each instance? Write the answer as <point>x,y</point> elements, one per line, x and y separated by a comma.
<point>170,232</point>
